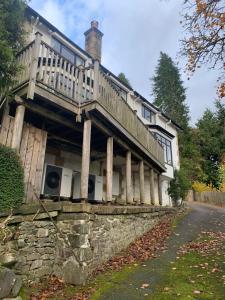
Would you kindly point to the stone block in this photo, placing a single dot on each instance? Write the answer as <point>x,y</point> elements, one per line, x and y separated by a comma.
<point>42,232</point>
<point>17,286</point>
<point>36,264</point>
<point>10,284</point>
<point>73,273</point>
<point>21,243</point>
<point>33,256</point>
<point>81,228</point>
<point>85,254</point>
<point>73,216</point>
<point>44,271</point>
<point>8,259</point>
<point>77,240</point>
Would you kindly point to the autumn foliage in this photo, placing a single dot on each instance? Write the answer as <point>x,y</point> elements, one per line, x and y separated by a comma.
<point>204,22</point>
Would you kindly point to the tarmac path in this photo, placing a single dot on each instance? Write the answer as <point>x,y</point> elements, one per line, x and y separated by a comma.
<point>200,218</point>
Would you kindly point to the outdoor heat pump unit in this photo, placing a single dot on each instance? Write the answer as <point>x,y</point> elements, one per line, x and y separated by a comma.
<point>95,187</point>
<point>57,181</point>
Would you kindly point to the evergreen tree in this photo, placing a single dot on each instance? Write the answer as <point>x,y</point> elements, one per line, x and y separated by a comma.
<point>211,143</point>
<point>11,38</point>
<point>124,79</point>
<point>169,92</point>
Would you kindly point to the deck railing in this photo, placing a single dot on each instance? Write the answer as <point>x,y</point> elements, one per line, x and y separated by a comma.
<point>114,104</point>
<point>44,65</point>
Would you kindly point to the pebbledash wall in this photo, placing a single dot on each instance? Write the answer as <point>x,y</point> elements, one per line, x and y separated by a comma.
<point>88,236</point>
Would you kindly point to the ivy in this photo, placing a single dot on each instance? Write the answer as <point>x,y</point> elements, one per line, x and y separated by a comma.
<point>11,179</point>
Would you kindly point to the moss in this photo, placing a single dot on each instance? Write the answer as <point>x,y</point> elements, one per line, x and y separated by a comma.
<point>106,281</point>
<point>187,276</point>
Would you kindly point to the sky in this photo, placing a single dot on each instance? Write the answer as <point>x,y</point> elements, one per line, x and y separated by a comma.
<point>135,31</point>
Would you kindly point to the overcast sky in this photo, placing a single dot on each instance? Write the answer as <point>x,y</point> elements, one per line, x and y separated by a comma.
<point>135,31</point>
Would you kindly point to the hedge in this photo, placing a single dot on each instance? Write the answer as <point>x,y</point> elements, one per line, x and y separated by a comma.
<point>11,179</point>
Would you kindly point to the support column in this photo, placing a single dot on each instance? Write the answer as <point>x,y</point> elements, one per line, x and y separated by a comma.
<point>142,182</point>
<point>160,189</point>
<point>85,161</point>
<point>109,169</point>
<point>18,127</point>
<point>128,179</point>
<point>152,187</point>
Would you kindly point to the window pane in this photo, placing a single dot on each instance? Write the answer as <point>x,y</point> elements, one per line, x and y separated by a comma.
<point>79,61</point>
<point>68,54</point>
<point>56,45</point>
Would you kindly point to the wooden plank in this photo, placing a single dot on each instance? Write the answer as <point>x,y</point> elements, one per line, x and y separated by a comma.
<point>28,159</point>
<point>24,142</point>
<point>10,132</point>
<point>18,127</point>
<point>31,181</point>
<point>4,129</point>
<point>40,164</point>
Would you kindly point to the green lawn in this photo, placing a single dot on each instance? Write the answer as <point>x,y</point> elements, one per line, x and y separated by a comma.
<point>194,276</point>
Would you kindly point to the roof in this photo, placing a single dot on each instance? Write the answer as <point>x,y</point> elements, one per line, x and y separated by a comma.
<point>53,28</point>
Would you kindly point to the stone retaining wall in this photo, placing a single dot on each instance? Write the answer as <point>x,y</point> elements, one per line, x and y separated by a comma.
<point>85,237</point>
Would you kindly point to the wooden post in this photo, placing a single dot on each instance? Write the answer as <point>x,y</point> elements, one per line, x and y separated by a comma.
<point>18,127</point>
<point>160,189</point>
<point>34,65</point>
<point>142,182</point>
<point>96,81</point>
<point>129,197</point>
<point>109,169</point>
<point>152,186</point>
<point>85,161</point>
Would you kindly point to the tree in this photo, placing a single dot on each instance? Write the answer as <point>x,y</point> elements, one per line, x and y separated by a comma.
<point>204,22</point>
<point>11,39</point>
<point>124,79</point>
<point>211,143</point>
<point>169,92</point>
<point>179,186</point>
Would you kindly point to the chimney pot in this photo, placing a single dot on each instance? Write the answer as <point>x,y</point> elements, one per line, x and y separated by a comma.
<point>94,24</point>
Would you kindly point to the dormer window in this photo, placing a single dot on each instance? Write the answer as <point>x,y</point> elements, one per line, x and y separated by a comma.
<point>147,114</point>
<point>67,53</point>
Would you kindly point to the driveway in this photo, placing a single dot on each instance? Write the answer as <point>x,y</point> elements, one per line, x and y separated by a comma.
<point>200,218</point>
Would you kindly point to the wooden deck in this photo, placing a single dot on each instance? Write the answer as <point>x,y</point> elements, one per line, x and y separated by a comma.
<point>46,72</point>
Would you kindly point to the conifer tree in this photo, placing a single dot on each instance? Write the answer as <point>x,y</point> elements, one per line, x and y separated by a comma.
<point>169,92</point>
<point>124,79</point>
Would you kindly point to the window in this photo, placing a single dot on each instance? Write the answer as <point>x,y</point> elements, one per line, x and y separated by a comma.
<point>67,53</point>
<point>166,144</point>
<point>147,113</point>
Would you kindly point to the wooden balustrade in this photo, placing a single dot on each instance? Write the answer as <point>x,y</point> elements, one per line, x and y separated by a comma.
<point>61,75</point>
<point>113,103</point>
<point>81,84</point>
<point>24,58</point>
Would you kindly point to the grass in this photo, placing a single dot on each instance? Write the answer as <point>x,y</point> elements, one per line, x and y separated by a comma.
<point>194,276</point>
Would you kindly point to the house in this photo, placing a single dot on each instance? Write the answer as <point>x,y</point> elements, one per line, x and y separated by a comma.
<point>81,133</point>
<point>83,138</point>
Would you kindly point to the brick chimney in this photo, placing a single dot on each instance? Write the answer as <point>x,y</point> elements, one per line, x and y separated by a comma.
<point>93,41</point>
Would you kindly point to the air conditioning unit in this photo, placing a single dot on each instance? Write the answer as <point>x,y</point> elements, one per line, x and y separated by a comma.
<point>95,187</point>
<point>57,181</point>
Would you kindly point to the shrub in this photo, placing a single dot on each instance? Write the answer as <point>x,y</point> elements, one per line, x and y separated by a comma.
<point>179,186</point>
<point>11,179</point>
